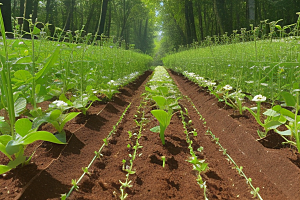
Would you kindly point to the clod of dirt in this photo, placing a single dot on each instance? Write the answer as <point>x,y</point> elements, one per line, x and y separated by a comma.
<point>272,140</point>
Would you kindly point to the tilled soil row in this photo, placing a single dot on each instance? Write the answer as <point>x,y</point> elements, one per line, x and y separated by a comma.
<point>151,181</point>
<point>277,176</point>
<point>54,166</point>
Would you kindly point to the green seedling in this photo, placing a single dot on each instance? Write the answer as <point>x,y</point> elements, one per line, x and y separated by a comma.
<point>292,118</point>
<point>57,118</point>
<point>163,158</point>
<point>272,118</point>
<point>15,147</point>
<point>164,119</point>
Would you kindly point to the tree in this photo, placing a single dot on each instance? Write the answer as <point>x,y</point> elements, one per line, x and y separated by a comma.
<point>251,5</point>
<point>6,14</point>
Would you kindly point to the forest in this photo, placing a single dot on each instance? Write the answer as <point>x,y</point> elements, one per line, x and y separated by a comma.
<point>149,25</point>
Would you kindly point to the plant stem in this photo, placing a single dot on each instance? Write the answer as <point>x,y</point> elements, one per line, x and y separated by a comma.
<point>6,81</point>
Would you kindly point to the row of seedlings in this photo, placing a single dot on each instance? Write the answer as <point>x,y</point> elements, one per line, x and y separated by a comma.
<point>166,95</point>
<point>277,115</point>
<point>254,191</point>
<point>98,155</point>
<point>133,146</point>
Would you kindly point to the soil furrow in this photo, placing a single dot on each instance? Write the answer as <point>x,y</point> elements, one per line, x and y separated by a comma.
<point>275,175</point>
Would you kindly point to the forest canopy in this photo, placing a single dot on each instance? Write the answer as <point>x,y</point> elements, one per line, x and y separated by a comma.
<point>152,26</point>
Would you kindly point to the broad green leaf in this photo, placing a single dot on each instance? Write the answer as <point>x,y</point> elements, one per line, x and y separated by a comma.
<point>19,160</point>
<point>162,116</point>
<point>68,117</point>
<point>12,148</point>
<point>282,119</point>
<point>155,129</point>
<point>4,127</point>
<point>148,89</point>
<point>50,62</point>
<point>4,168</point>
<point>4,139</point>
<point>63,97</point>
<point>3,150</point>
<point>23,60</point>
<point>20,106</point>
<point>61,136</point>
<point>22,75</point>
<point>160,101</point>
<point>23,126</point>
<point>288,114</point>
<point>285,133</point>
<point>37,88</point>
<point>55,114</point>
<point>271,113</point>
<point>272,125</point>
<point>40,135</point>
<point>289,99</point>
<point>276,108</point>
<point>296,85</point>
<point>164,90</point>
<point>36,31</point>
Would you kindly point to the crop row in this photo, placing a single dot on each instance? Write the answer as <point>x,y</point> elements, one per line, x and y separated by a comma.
<point>252,62</point>
<point>71,73</point>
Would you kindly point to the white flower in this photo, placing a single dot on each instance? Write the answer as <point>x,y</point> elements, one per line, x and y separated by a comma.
<point>209,83</point>
<point>227,87</point>
<point>59,103</point>
<point>78,47</point>
<point>111,82</point>
<point>249,81</point>
<point>199,78</point>
<point>20,43</point>
<point>259,98</point>
<point>264,84</point>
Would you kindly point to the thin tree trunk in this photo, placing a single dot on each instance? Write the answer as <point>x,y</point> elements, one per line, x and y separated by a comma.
<point>103,16</point>
<point>218,17</point>
<point>199,5</point>
<point>109,21</point>
<point>251,5</point>
<point>6,13</point>
<point>35,10</point>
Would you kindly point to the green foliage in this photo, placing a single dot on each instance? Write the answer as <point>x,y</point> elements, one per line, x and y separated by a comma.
<point>15,146</point>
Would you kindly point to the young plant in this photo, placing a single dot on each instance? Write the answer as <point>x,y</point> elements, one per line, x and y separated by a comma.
<point>83,102</point>
<point>56,117</point>
<point>15,147</point>
<point>163,158</point>
<point>293,119</point>
<point>271,122</point>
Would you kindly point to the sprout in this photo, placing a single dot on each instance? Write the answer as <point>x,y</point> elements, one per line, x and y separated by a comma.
<point>227,87</point>
<point>259,98</point>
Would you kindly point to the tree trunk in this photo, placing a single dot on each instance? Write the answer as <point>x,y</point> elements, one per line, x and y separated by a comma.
<point>109,21</point>
<point>218,17</point>
<point>22,2</point>
<point>6,14</point>
<point>199,8</point>
<point>251,4</point>
<point>28,12</point>
<point>190,22</point>
<point>89,18</point>
<point>35,10</point>
<point>103,16</point>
